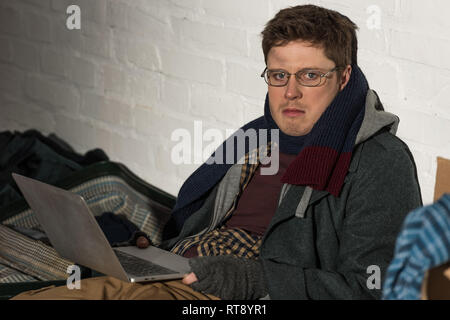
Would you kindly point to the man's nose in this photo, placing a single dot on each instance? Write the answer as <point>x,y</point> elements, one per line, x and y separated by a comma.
<point>293,89</point>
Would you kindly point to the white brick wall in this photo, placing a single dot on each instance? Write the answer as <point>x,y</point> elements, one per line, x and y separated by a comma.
<point>137,70</point>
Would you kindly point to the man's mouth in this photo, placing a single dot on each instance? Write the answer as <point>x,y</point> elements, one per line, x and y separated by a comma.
<point>292,112</point>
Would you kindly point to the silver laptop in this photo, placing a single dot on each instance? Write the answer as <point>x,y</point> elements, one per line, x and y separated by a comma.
<point>76,236</point>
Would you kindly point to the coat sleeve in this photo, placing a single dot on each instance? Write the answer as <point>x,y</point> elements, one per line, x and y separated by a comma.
<point>384,190</point>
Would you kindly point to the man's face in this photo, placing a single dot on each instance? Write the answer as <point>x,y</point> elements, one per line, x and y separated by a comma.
<point>296,108</point>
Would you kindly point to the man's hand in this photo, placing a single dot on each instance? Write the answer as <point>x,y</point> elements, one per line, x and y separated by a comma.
<point>142,242</point>
<point>190,278</point>
<point>227,277</point>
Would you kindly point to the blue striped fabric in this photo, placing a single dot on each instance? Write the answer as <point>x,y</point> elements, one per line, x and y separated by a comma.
<point>423,243</point>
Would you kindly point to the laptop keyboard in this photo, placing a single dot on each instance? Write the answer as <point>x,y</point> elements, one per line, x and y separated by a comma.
<point>139,267</point>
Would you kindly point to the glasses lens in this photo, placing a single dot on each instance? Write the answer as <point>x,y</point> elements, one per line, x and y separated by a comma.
<point>309,78</point>
<point>277,78</point>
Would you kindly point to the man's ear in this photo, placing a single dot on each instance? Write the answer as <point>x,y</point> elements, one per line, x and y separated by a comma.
<point>345,77</point>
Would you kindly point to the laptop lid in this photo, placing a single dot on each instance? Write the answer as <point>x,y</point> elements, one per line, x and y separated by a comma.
<point>70,226</point>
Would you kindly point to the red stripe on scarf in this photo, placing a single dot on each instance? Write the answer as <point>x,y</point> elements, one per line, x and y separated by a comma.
<point>322,168</point>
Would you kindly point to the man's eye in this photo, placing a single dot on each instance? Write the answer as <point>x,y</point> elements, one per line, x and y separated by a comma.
<point>279,75</point>
<point>311,75</point>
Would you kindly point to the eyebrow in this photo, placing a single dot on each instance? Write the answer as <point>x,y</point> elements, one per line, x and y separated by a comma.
<point>307,68</point>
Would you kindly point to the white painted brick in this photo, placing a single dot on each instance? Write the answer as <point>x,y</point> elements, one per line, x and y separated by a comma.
<point>119,45</point>
<point>115,79</point>
<point>427,184</point>
<point>162,160</point>
<point>11,125</point>
<point>187,4</point>
<point>203,36</point>
<point>424,128</point>
<point>28,115</point>
<point>14,82</point>
<point>79,133</point>
<point>129,149</point>
<point>147,26</point>
<point>94,10</point>
<point>152,122</point>
<point>39,3</point>
<point>175,94</point>
<point>246,80</point>
<point>102,139</point>
<point>69,39</point>
<point>104,109</point>
<point>253,110</point>
<point>423,160</point>
<point>61,5</point>
<point>52,95</point>
<point>90,10</point>
<point>38,89</point>
<point>416,47</point>
<point>145,88</point>
<point>430,17</point>
<point>5,50</point>
<point>164,182</point>
<point>82,72</point>
<point>54,62</point>
<point>255,47</point>
<point>208,102</point>
<point>373,40</point>
<point>120,113</point>
<point>359,8</point>
<point>25,55</point>
<point>92,29</point>
<point>117,13</point>
<point>383,75</point>
<point>156,9</point>
<point>98,46</point>
<point>419,81</point>
<point>191,67</point>
<point>249,12</point>
<point>38,27</point>
<point>143,54</point>
<point>10,20</point>
<point>66,97</point>
<point>440,103</point>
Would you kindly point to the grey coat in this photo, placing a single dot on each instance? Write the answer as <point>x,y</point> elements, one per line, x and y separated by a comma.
<point>318,246</point>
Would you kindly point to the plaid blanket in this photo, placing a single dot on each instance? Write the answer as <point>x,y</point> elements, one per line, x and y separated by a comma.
<point>25,259</point>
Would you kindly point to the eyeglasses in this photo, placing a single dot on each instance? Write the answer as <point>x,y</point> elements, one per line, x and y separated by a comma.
<point>305,77</point>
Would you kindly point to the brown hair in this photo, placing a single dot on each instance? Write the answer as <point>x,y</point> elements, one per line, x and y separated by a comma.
<point>324,28</point>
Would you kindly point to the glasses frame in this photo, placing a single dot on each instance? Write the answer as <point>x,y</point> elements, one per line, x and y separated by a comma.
<point>322,76</point>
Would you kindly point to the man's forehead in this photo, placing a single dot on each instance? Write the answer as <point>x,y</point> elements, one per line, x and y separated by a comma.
<point>297,54</point>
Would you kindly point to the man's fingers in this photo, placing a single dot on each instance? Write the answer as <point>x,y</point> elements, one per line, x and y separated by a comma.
<point>190,278</point>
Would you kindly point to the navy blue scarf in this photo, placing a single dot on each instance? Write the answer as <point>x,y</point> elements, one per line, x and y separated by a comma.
<point>323,156</point>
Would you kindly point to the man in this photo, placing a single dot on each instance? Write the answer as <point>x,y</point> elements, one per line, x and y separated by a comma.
<point>334,208</point>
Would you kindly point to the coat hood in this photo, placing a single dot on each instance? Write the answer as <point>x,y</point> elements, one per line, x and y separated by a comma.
<point>375,119</point>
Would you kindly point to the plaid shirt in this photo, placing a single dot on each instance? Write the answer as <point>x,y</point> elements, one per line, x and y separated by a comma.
<point>224,240</point>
